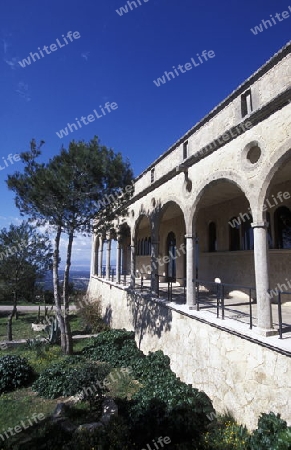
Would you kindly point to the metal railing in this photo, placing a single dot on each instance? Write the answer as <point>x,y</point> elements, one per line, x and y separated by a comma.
<point>219,290</point>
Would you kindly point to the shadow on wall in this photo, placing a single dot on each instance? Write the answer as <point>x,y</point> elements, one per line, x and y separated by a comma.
<point>108,316</point>
<point>148,316</point>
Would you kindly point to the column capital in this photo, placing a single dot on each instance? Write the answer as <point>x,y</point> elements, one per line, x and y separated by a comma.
<point>262,224</point>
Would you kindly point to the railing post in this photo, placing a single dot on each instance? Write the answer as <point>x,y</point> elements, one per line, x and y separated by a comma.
<point>217,300</point>
<point>280,315</point>
<point>251,311</point>
<point>222,300</point>
<point>197,298</point>
<point>158,284</point>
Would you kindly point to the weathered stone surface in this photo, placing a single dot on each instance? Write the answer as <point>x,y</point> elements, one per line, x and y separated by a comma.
<point>238,375</point>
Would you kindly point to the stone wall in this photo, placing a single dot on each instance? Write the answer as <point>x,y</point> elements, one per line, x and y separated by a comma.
<point>237,374</point>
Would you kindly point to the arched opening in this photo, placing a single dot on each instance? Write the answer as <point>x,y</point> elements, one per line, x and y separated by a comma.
<point>222,222</point>
<point>125,255</point>
<point>143,247</point>
<point>277,209</point>
<point>171,230</point>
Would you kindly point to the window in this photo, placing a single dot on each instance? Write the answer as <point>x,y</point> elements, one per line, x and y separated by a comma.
<point>270,239</point>
<point>138,248</point>
<point>150,245</point>
<point>142,247</point>
<point>234,234</point>
<point>185,150</point>
<point>152,175</point>
<point>247,234</point>
<point>212,237</point>
<point>146,246</point>
<point>282,222</point>
<point>246,103</point>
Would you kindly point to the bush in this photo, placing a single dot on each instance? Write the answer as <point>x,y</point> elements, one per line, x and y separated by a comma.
<point>15,372</point>
<point>272,433</point>
<point>164,405</point>
<point>226,434</point>
<point>90,313</point>
<point>116,347</point>
<point>70,377</point>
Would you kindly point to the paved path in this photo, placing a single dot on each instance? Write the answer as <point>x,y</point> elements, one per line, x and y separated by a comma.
<point>30,308</point>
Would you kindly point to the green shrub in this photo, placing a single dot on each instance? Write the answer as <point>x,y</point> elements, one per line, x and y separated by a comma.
<point>15,372</point>
<point>69,377</point>
<point>164,405</point>
<point>116,347</point>
<point>272,433</point>
<point>226,434</point>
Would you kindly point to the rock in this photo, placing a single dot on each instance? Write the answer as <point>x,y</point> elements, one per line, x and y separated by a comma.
<point>65,424</point>
<point>89,427</point>
<point>38,326</point>
<point>60,410</point>
<point>109,409</point>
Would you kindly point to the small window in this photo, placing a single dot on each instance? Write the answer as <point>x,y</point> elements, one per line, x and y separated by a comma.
<point>212,237</point>
<point>234,234</point>
<point>246,103</point>
<point>185,150</point>
<point>282,222</point>
<point>152,175</point>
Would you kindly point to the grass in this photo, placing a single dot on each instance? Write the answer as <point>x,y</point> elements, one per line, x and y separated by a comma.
<point>21,328</point>
<point>20,405</point>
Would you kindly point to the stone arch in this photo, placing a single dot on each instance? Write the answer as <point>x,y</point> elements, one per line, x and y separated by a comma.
<point>229,176</point>
<point>275,162</point>
<point>171,221</point>
<point>137,223</point>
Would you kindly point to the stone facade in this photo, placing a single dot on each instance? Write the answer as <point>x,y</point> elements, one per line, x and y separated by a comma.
<point>217,204</point>
<point>237,374</point>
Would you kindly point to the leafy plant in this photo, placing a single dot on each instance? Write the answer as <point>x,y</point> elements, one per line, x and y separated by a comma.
<point>70,377</point>
<point>39,346</point>
<point>15,372</point>
<point>272,433</point>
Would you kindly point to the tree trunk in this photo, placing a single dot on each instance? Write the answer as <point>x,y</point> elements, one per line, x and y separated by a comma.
<point>69,340</point>
<point>57,294</point>
<point>13,313</point>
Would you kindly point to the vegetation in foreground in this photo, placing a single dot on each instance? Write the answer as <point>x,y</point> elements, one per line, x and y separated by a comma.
<point>151,400</point>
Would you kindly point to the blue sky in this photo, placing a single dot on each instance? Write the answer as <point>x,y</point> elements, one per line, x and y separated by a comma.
<point>115,59</point>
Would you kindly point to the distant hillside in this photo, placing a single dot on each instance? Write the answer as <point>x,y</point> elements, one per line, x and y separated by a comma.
<point>80,278</point>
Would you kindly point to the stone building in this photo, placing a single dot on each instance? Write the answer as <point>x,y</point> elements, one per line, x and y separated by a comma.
<point>216,204</point>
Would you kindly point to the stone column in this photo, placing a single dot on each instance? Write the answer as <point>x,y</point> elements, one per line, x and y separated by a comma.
<point>93,255</point>
<point>264,311</point>
<point>100,256</point>
<point>108,256</point>
<point>190,271</point>
<point>154,267</point>
<point>118,261</point>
